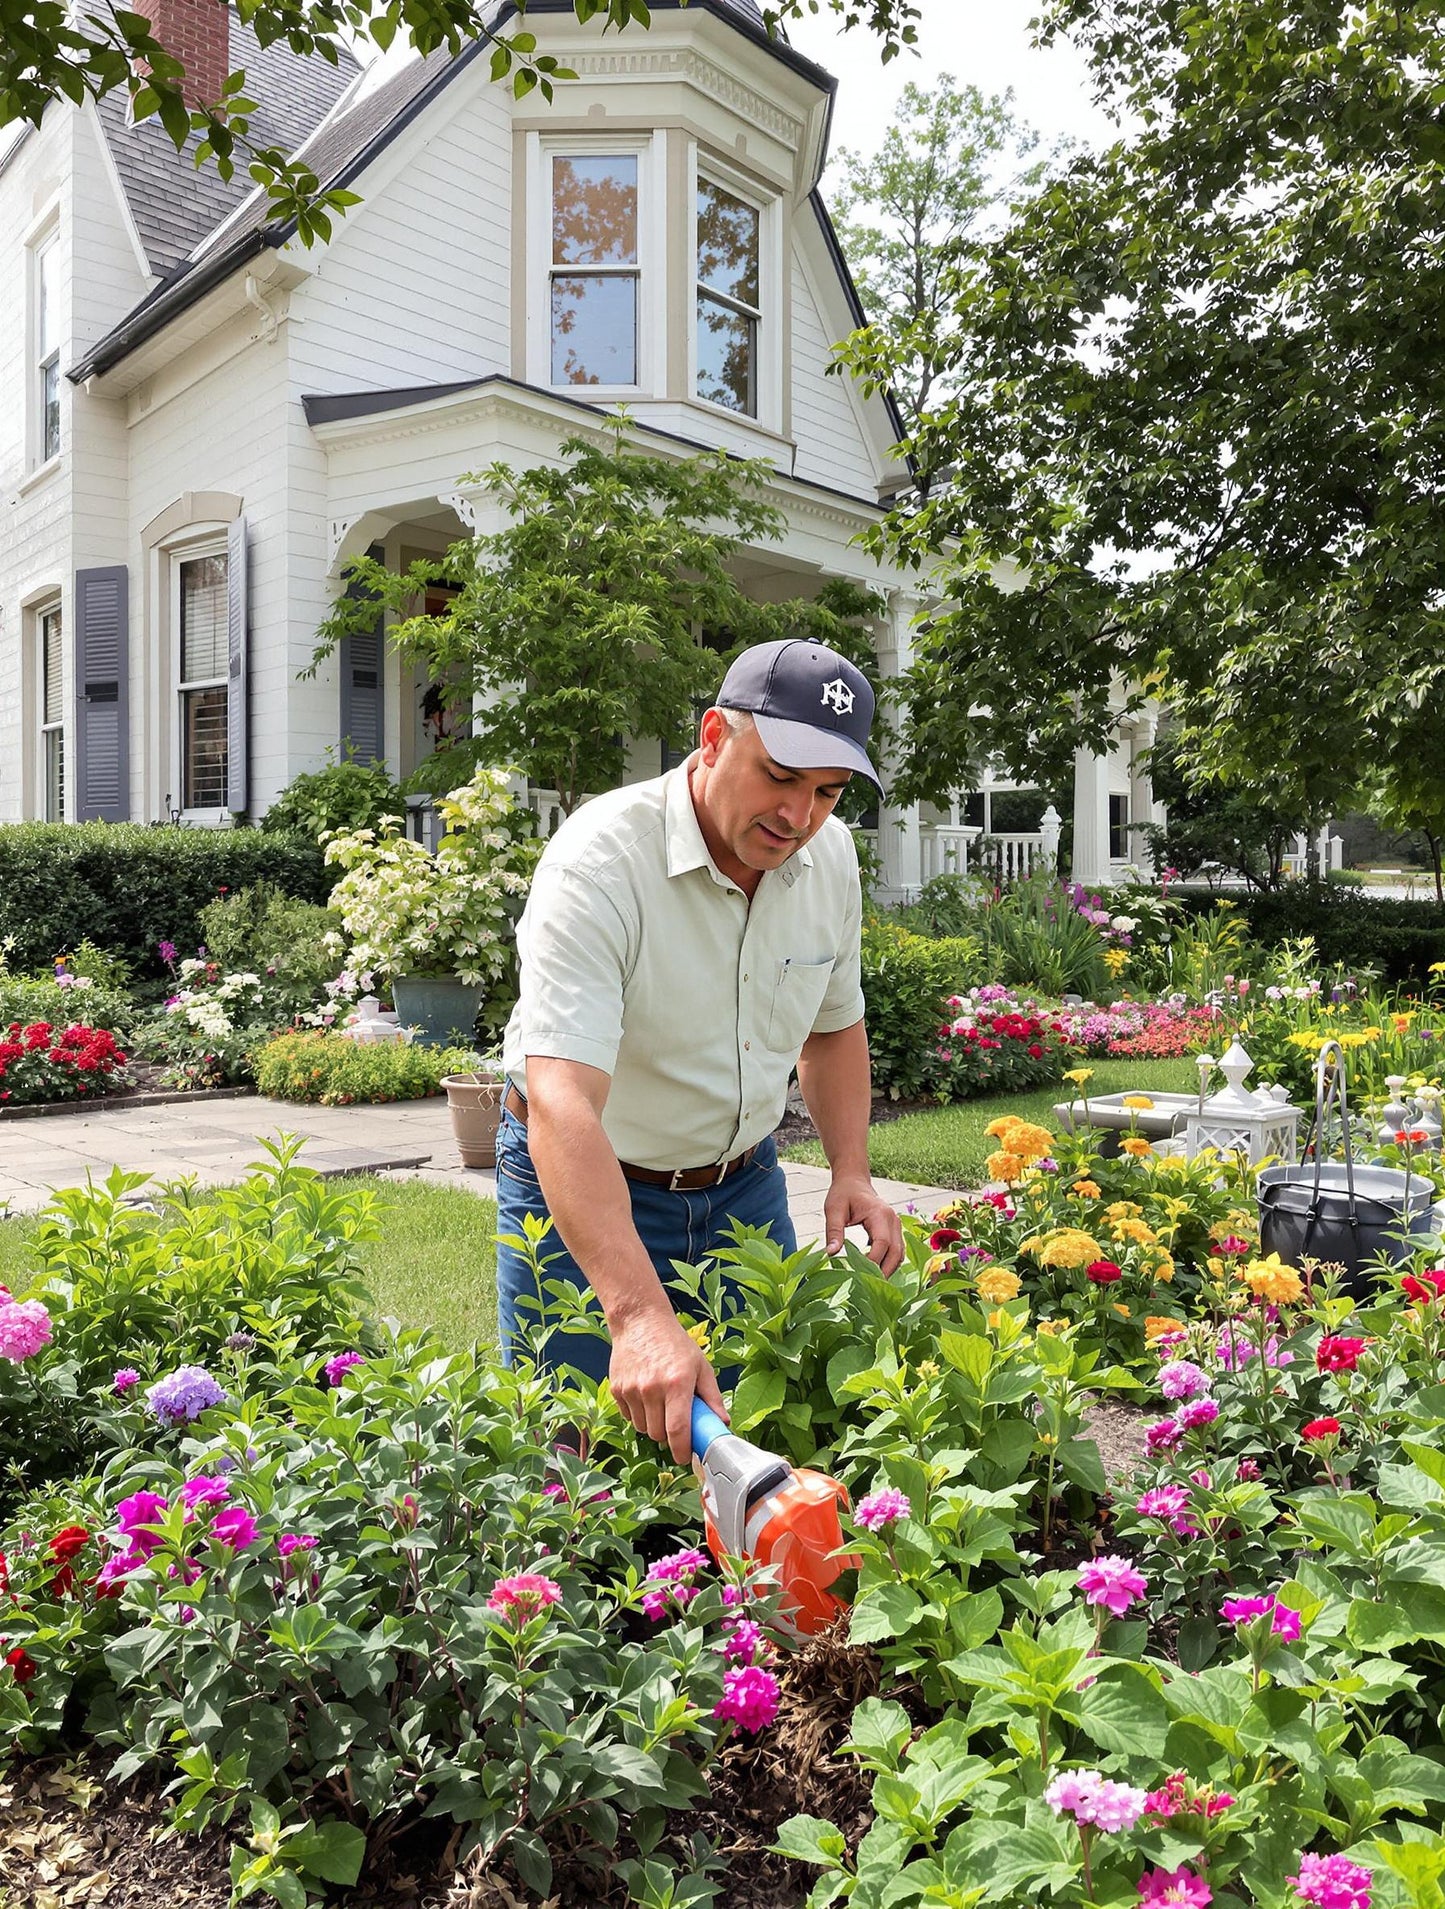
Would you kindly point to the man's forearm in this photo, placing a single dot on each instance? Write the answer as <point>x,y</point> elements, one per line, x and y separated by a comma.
<point>836,1077</point>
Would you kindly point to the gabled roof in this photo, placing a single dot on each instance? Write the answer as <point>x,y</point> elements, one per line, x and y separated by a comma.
<point>174,203</point>
<point>339,149</point>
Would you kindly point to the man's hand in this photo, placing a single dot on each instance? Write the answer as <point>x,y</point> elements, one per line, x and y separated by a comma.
<point>855,1201</point>
<point>656,1369</point>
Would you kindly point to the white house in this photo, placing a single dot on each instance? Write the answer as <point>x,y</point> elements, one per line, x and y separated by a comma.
<point>202,421</point>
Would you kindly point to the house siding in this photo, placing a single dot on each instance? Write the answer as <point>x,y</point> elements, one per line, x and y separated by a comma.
<point>832,445</point>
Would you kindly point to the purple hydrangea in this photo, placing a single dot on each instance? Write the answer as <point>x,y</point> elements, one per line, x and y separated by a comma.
<point>183,1395</point>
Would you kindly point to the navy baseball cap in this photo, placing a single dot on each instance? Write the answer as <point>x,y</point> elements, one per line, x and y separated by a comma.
<point>813,708</point>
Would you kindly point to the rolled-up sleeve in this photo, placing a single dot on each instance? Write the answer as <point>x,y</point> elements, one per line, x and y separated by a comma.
<point>576,951</point>
<point>843,1004</point>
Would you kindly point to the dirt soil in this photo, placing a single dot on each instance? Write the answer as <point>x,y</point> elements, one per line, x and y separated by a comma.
<point>1118,1431</point>
<point>797,1127</point>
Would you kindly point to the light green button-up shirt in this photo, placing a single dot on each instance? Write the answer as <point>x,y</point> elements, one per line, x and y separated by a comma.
<point>640,958</point>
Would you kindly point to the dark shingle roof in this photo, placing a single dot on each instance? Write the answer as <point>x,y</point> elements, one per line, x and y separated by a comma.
<point>174,204</point>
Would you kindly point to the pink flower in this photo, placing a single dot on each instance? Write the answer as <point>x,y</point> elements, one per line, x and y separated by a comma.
<point>1182,1379</point>
<point>672,1582</point>
<point>1094,1799</point>
<point>1167,1501</point>
<point>1286,1623</point>
<point>1180,1887</point>
<point>337,1368</point>
<point>204,1491</point>
<point>556,1490</point>
<point>115,1571</point>
<point>24,1329</point>
<point>749,1699</point>
<point>881,1508</point>
<point>134,1515</point>
<point>291,1541</point>
<point>1246,1471</point>
<point>1073,1792</point>
<point>1198,1413</point>
<point>1113,1583</point>
<point>234,1527</point>
<point>1244,1610</point>
<point>746,1642</point>
<point>124,1380</point>
<point>1332,1882</point>
<point>523,1595</point>
<point>1162,1436</point>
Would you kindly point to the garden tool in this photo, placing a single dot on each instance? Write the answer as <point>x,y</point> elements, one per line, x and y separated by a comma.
<point>759,1507</point>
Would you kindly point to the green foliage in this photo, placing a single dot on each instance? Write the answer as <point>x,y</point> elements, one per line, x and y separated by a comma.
<point>578,624</point>
<point>328,1070</point>
<point>276,936</point>
<point>1353,931</point>
<point>343,795</point>
<point>127,888</point>
<point>1214,826</point>
<point>907,980</point>
<point>40,997</point>
<point>274,1258</point>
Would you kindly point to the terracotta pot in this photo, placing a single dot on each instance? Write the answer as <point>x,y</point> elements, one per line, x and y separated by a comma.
<point>475,1101</point>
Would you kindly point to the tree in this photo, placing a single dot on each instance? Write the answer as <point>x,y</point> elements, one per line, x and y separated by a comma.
<point>52,51</point>
<point>1213,825</point>
<point>942,176</point>
<point>1194,404</point>
<point>579,624</point>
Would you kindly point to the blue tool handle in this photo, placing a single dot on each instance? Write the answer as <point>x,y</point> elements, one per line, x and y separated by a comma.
<point>706,1426</point>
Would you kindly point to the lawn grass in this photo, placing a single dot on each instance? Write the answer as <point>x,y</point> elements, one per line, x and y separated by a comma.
<point>947,1146</point>
<point>433,1263</point>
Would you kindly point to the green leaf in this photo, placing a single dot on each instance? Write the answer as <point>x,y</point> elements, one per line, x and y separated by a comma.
<point>879,1732</point>
<point>969,1353</point>
<point>331,1850</point>
<point>888,1610</point>
<point>758,1396</point>
<point>1123,1711</point>
<point>1080,1461</point>
<point>809,1839</point>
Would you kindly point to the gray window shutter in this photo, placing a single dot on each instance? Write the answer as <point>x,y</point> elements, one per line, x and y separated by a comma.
<point>362,709</point>
<point>238,681</point>
<point>102,694</point>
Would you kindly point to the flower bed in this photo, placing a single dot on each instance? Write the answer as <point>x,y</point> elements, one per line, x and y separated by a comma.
<point>1219,1683</point>
<point>41,1063</point>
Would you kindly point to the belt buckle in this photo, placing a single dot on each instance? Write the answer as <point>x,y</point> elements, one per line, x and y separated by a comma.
<point>679,1174</point>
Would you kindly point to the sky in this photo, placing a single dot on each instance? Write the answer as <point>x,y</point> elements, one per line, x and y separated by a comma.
<point>985,43</point>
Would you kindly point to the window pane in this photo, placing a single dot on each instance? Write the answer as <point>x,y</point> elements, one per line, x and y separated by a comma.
<point>49,410</point>
<point>52,666</point>
<point>727,243</point>
<point>594,210</point>
<point>727,353</point>
<point>594,330</point>
<point>203,619</point>
<point>1118,828</point>
<point>47,316</point>
<point>203,749</point>
<point>55,775</point>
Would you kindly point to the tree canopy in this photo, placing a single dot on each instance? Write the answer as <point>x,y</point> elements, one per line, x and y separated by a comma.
<point>53,51</point>
<point>1193,409</point>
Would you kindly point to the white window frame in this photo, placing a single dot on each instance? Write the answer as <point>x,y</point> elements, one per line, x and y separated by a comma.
<point>704,165</point>
<point>49,729</point>
<point>650,270</point>
<point>43,245</point>
<point>174,556</point>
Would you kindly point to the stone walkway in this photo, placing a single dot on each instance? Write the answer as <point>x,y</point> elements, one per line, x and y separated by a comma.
<point>216,1140</point>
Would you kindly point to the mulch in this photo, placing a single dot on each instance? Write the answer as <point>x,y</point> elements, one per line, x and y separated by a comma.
<point>796,1127</point>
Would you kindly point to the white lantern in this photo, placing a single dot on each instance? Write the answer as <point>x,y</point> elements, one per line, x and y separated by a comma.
<point>1260,1126</point>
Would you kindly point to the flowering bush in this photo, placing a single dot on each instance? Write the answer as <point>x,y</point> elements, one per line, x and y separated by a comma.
<point>1144,1030</point>
<point>42,1063</point>
<point>407,912</point>
<point>329,1070</point>
<point>993,1043</point>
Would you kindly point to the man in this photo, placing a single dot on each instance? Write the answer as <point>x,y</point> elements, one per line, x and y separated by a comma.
<point>687,943</point>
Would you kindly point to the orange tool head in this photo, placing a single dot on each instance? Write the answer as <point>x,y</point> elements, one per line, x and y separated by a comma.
<point>794,1533</point>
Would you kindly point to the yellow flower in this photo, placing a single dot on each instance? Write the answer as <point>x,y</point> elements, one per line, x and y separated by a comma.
<point>1049,1327</point>
<point>1305,1038</point>
<point>1068,1246</point>
<point>1271,1279</point>
<point>698,1335</point>
<point>1004,1166</point>
<point>1081,1074</point>
<point>1164,1270</point>
<point>1243,1225</point>
<point>929,1369</point>
<point>1087,1189</point>
<point>1136,1145</point>
<point>1216,1266</point>
<point>1353,1040</point>
<point>997,1285</point>
<point>1021,1138</point>
<point>1436,967</point>
<point>998,1129</point>
<point>939,1264</point>
<point>1116,960</point>
<point>996,1319</point>
<point>1122,1210</point>
<point>1123,1311</point>
<point>1141,1102</point>
<point>1164,1162</point>
<point>1157,1324</point>
<point>1139,1231</point>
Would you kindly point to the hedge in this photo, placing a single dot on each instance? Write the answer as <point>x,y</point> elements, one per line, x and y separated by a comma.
<point>906,980</point>
<point>1399,938</point>
<point>128,887</point>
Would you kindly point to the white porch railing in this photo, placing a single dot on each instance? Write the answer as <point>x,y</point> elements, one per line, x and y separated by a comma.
<point>945,850</point>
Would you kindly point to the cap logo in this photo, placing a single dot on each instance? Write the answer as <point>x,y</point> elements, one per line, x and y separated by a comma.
<point>838,697</point>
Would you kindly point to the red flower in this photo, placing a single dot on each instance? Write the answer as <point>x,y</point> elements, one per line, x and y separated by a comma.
<point>945,1237</point>
<point>65,1544</point>
<point>1320,1428</point>
<point>20,1663</point>
<point>1338,1355</point>
<point>1411,1136</point>
<point>1424,1294</point>
<point>1104,1272</point>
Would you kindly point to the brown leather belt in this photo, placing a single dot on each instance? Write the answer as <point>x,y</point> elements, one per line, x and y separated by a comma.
<point>684,1180</point>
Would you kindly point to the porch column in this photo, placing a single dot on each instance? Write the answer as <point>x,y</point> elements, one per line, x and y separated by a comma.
<point>1141,794</point>
<point>1091,819</point>
<point>900,847</point>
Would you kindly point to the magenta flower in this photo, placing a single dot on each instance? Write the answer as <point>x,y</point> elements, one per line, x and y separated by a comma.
<point>523,1595</point>
<point>556,1490</point>
<point>204,1491</point>
<point>24,1329</point>
<point>1332,1882</point>
<point>1166,1502</point>
<point>1182,1379</point>
<point>1198,1413</point>
<point>1179,1887</point>
<point>124,1380</point>
<point>337,1368</point>
<point>134,1514</point>
<point>1285,1622</point>
<point>745,1643</point>
<point>881,1508</point>
<point>672,1584</point>
<point>749,1699</point>
<point>234,1527</point>
<point>293,1541</point>
<point>1113,1583</point>
<point>1162,1436</point>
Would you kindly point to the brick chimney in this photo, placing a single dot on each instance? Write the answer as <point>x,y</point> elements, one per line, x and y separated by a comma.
<point>198,33</point>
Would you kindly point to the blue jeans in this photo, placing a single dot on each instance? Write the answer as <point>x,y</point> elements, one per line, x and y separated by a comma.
<point>672,1226</point>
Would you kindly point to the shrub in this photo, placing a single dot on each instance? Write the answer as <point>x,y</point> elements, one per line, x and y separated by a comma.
<point>278,937</point>
<point>1397,940</point>
<point>128,887</point>
<point>907,980</point>
<point>42,1063</point>
<point>328,1070</point>
<point>344,795</point>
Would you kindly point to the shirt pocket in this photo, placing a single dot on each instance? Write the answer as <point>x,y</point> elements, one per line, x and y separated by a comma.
<point>797,996</point>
